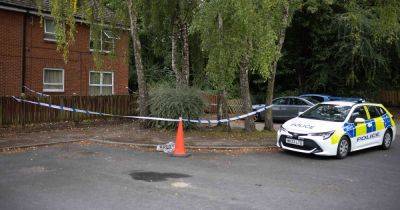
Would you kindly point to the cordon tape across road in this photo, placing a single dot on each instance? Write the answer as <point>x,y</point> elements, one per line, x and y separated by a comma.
<point>202,121</point>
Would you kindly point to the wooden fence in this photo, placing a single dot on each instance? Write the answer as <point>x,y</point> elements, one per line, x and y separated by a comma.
<point>390,98</point>
<point>234,105</point>
<point>15,113</point>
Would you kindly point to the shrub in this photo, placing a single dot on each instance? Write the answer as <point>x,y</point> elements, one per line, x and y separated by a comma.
<point>168,102</point>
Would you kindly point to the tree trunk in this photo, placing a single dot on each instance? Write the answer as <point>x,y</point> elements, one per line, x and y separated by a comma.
<point>269,125</point>
<point>219,107</point>
<point>186,64</point>
<point>174,54</point>
<point>249,124</point>
<point>143,94</point>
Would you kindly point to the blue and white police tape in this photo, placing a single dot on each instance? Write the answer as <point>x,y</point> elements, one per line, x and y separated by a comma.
<point>38,93</point>
<point>203,121</point>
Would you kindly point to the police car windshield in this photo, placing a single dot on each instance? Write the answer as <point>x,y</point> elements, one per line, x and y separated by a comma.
<point>327,112</point>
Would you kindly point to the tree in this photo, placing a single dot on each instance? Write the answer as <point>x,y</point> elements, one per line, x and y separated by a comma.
<point>342,48</point>
<point>281,29</point>
<point>142,85</point>
<point>170,19</point>
<point>238,37</point>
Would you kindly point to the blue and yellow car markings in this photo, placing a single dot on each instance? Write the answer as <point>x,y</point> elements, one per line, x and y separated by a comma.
<point>350,130</point>
<point>379,123</point>
<point>361,129</point>
<point>387,121</point>
<point>370,125</point>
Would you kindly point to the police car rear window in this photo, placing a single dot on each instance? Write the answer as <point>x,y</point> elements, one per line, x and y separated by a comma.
<point>374,111</point>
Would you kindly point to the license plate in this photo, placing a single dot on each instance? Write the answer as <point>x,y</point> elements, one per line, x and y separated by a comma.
<point>295,142</point>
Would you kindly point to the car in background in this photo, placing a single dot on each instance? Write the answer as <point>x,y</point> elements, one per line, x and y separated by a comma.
<point>316,97</point>
<point>285,108</point>
<point>324,98</point>
<point>336,128</point>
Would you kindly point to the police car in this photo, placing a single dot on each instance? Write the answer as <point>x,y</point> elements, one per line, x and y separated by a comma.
<point>336,128</point>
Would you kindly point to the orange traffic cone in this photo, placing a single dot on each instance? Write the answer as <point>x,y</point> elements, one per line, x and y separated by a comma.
<point>180,150</point>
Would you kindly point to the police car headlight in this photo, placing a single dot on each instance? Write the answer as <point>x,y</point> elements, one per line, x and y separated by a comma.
<point>282,130</point>
<point>324,135</point>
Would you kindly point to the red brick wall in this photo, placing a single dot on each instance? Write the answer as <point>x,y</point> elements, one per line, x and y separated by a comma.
<point>43,54</point>
<point>10,52</point>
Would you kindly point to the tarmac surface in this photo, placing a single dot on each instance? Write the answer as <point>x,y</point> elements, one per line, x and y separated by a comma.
<point>96,176</point>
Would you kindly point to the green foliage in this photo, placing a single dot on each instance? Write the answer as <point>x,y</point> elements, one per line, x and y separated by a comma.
<point>231,29</point>
<point>342,48</point>
<point>169,102</point>
<point>64,12</point>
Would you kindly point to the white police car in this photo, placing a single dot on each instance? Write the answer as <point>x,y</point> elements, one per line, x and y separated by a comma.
<point>336,128</point>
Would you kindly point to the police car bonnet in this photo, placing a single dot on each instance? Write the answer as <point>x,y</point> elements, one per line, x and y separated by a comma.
<point>303,125</point>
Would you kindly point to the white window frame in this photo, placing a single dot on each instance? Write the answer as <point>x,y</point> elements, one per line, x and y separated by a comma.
<point>63,81</point>
<point>48,32</point>
<point>101,42</point>
<point>101,81</point>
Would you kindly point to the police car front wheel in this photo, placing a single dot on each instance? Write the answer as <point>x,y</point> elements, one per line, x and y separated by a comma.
<point>387,140</point>
<point>343,148</point>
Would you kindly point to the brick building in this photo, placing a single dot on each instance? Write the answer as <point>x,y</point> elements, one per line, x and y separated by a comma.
<point>28,56</point>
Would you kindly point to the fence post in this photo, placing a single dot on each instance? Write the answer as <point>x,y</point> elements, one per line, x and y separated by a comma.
<point>1,111</point>
<point>22,113</point>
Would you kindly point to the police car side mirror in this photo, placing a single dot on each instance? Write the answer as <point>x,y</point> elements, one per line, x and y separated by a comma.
<point>300,113</point>
<point>359,120</point>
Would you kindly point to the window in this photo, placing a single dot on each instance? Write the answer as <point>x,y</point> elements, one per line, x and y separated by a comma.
<point>280,101</point>
<point>53,80</point>
<point>107,41</point>
<point>374,111</point>
<point>359,112</point>
<point>101,83</point>
<point>382,111</point>
<point>318,98</point>
<point>311,99</point>
<point>49,30</point>
<point>295,101</point>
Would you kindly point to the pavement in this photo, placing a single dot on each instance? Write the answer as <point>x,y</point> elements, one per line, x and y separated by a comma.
<point>129,133</point>
<point>98,176</point>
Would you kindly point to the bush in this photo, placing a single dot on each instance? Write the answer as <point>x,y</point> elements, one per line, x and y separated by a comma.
<point>168,102</point>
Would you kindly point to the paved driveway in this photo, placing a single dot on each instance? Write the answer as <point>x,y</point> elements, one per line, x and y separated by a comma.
<point>74,176</point>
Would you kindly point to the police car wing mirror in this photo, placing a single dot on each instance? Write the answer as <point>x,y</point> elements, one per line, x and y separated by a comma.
<point>359,120</point>
<point>300,113</point>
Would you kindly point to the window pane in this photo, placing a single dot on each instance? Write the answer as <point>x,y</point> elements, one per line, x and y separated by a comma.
<point>53,76</point>
<point>108,46</point>
<point>94,90</point>
<point>358,112</point>
<point>108,40</point>
<point>95,78</point>
<point>107,91</point>
<point>95,43</point>
<point>280,101</point>
<point>49,28</point>
<point>107,79</point>
<point>52,87</point>
<point>296,101</point>
<point>108,35</point>
<point>374,111</point>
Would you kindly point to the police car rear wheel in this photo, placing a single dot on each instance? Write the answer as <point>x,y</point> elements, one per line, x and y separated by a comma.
<point>343,148</point>
<point>387,140</point>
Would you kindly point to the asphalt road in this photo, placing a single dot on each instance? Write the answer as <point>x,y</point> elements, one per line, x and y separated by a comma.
<point>73,176</point>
